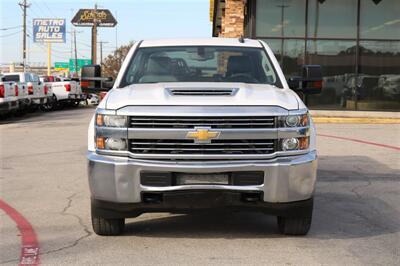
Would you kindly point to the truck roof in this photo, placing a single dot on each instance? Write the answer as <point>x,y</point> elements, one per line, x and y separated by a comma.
<point>205,42</point>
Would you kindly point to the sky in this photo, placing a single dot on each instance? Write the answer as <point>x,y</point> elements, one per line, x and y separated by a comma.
<point>137,20</point>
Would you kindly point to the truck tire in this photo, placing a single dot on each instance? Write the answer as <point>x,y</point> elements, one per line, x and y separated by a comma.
<point>107,227</point>
<point>49,105</point>
<point>294,225</point>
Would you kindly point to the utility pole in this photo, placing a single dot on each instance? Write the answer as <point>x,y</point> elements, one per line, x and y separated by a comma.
<point>48,58</point>
<point>94,36</point>
<point>72,36</point>
<point>101,51</point>
<point>24,5</point>
<point>75,56</point>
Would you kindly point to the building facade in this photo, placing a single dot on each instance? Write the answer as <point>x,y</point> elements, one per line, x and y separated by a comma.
<point>357,42</point>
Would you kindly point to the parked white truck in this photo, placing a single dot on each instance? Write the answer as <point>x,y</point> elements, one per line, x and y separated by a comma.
<point>9,93</point>
<point>35,93</point>
<point>202,125</point>
<point>65,90</point>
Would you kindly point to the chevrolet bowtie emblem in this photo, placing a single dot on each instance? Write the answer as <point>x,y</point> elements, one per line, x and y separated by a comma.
<point>203,135</point>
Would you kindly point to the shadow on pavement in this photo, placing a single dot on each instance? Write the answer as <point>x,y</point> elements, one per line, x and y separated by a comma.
<point>57,115</point>
<point>341,209</point>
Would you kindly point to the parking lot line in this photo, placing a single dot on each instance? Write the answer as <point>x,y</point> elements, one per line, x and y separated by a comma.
<point>29,242</point>
<point>361,141</point>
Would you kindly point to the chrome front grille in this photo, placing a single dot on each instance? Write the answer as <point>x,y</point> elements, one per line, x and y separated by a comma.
<point>216,147</point>
<point>192,122</point>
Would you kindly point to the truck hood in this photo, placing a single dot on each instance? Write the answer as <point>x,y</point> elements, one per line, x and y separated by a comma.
<point>164,94</point>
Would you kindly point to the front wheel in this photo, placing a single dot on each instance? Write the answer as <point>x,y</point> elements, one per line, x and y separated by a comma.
<point>294,225</point>
<point>107,227</point>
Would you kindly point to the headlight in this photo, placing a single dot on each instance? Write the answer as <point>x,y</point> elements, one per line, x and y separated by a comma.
<point>114,144</point>
<point>111,120</point>
<point>294,121</point>
<point>292,144</point>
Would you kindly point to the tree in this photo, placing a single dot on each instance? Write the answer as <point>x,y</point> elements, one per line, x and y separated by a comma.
<point>112,63</point>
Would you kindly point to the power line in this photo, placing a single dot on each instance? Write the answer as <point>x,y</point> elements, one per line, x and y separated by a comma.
<point>10,28</point>
<point>37,6</point>
<point>49,9</point>
<point>10,34</point>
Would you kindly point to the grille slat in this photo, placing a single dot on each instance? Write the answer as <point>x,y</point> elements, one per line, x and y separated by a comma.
<point>213,122</point>
<point>210,124</point>
<point>200,149</point>
<point>191,144</point>
<point>139,146</point>
<point>199,119</point>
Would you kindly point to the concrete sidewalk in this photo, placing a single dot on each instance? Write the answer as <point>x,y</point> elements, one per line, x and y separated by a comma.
<point>361,117</point>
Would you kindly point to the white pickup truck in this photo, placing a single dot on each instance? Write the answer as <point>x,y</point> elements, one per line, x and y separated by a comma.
<point>65,90</point>
<point>9,93</point>
<point>35,93</point>
<point>202,125</point>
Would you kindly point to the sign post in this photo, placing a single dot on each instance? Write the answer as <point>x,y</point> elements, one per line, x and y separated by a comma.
<point>48,30</point>
<point>48,58</point>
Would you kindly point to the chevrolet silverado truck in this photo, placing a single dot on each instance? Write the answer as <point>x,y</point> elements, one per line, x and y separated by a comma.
<point>9,93</point>
<point>36,93</point>
<point>65,91</point>
<point>192,125</point>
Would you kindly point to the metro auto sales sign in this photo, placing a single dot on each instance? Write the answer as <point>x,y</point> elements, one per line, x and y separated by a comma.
<point>49,30</point>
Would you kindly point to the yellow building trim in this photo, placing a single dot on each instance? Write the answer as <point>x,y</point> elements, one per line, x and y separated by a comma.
<point>211,11</point>
<point>355,120</point>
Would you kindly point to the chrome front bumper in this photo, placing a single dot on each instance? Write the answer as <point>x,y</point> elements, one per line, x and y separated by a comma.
<point>286,179</point>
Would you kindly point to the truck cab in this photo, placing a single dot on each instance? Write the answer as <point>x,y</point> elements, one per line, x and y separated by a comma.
<point>192,125</point>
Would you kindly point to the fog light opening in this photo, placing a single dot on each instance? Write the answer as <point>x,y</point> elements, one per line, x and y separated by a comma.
<point>251,197</point>
<point>290,144</point>
<point>152,198</point>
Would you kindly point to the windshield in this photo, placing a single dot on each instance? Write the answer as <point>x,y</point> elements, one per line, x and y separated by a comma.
<point>11,78</point>
<point>200,64</point>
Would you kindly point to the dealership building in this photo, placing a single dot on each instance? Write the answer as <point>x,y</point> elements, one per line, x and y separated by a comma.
<point>357,43</point>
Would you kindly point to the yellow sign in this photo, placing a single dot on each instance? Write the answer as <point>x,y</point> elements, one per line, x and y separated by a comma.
<point>202,135</point>
<point>90,15</point>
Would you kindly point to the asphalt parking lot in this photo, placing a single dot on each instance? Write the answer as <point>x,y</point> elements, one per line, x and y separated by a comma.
<point>356,216</point>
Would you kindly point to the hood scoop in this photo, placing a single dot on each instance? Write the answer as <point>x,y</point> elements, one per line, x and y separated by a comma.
<point>202,91</point>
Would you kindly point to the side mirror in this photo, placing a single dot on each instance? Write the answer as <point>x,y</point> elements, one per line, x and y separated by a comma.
<point>310,82</point>
<point>108,85</point>
<point>91,80</point>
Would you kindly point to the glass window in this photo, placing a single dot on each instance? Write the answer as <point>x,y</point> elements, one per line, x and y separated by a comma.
<point>201,64</point>
<point>293,55</point>
<point>9,77</point>
<point>28,77</point>
<point>378,84</point>
<point>280,18</point>
<point>332,18</point>
<point>338,61</point>
<point>380,19</point>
